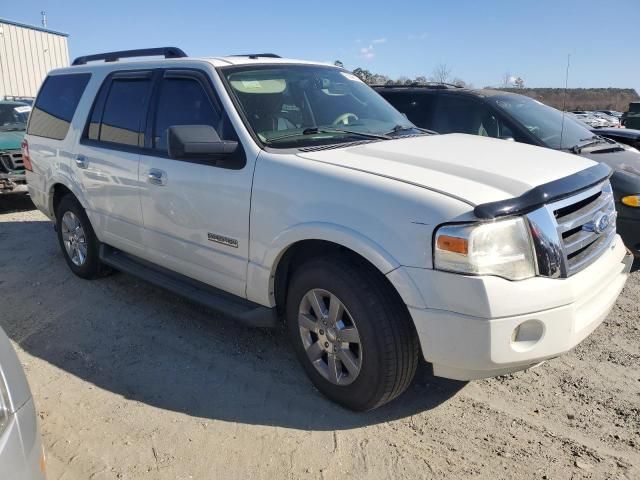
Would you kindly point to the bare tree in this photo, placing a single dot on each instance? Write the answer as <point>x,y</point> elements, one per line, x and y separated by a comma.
<point>519,83</point>
<point>421,79</point>
<point>461,83</point>
<point>507,80</point>
<point>441,73</point>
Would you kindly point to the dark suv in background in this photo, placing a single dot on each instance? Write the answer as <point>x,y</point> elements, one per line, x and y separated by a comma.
<point>512,117</point>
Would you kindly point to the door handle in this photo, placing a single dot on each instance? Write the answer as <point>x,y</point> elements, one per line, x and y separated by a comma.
<point>157,177</point>
<point>81,161</point>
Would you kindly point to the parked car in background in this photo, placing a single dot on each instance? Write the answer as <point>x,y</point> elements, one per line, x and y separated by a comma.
<point>13,124</point>
<point>612,122</point>
<point>265,187</point>
<point>21,453</point>
<point>589,119</point>
<point>612,113</point>
<point>511,116</point>
<point>631,118</point>
<point>624,136</point>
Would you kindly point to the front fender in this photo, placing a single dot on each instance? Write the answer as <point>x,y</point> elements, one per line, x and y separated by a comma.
<point>261,275</point>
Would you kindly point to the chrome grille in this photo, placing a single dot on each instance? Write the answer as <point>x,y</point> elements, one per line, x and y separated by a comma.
<point>586,226</point>
<point>12,160</point>
<point>570,234</point>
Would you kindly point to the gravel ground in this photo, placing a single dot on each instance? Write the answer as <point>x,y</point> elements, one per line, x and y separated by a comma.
<point>133,383</point>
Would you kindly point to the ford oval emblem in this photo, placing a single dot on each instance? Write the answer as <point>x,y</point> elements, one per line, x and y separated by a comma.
<point>598,225</point>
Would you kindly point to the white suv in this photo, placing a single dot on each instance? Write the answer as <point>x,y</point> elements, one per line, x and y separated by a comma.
<point>268,188</point>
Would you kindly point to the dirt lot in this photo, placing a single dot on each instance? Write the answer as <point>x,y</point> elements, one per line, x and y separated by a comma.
<point>133,383</point>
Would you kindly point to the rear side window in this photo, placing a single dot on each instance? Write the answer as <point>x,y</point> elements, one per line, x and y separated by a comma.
<point>56,104</point>
<point>121,119</point>
<point>182,101</point>
<point>460,114</point>
<point>418,106</point>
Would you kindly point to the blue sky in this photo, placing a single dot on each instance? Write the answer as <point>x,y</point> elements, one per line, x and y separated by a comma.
<point>479,41</point>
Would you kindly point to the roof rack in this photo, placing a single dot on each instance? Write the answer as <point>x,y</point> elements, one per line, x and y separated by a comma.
<point>167,52</point>
<point>258,55</point>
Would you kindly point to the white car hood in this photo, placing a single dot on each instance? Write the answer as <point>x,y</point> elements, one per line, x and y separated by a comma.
<point>471,168</point>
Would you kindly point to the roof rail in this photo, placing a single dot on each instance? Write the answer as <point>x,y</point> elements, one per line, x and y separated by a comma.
<point>258,55</point>
<point>167,52</point>
<point>434,85</point>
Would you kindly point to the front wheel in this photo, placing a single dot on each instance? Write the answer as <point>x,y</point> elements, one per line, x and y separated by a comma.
<point>351,332</point>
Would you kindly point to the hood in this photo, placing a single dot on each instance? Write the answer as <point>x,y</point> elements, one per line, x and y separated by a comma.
<point>467,167</point>
<point>11,140</point>
<point>625,160</point>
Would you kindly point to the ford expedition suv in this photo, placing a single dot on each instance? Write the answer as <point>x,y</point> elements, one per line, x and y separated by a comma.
<point>268,188</point>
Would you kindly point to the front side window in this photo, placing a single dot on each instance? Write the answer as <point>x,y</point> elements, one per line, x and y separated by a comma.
<point>303,105</point>
<point>182,101</point>
<point>123,113</point>
<point>56,104</point>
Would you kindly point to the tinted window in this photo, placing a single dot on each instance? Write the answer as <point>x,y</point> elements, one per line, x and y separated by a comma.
<point>56,105</point>
<point>417,106</point>
<point>182,101</point>
<point>124,112</point>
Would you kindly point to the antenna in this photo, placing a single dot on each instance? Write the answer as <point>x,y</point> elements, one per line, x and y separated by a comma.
<point>44,18</point>
<point>564,100</point>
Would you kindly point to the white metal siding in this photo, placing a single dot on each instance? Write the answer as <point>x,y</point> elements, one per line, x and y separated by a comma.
<point>26,56</point>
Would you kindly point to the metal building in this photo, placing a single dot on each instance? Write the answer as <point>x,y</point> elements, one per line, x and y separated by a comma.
<point>27,53</point>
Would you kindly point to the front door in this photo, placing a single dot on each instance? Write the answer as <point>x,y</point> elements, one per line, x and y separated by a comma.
<point>196,213</point>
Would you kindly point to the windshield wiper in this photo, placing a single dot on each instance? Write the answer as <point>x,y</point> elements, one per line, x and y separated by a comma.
<point>404,128</point>
<point>316,130</point>
<point>586,142</point>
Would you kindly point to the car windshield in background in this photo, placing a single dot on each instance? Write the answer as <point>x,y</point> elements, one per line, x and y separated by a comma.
<point>13,116</point>
<point>544,122</point>
<point>299,106</point>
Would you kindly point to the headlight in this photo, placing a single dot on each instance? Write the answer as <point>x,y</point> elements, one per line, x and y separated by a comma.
<point>501,248</point>
<point>5,413</point>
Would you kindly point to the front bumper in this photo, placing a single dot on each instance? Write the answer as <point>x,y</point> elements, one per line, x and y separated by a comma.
<point>479,327</point>
<point>13,183</point>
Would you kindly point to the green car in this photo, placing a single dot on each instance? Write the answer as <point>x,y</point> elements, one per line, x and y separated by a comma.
<point>631,119</point>
<point>13,124</point>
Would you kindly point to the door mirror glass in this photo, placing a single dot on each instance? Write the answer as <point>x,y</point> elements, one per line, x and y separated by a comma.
<point>197,142</point>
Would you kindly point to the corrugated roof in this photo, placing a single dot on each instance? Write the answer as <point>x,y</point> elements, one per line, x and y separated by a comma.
<point>32,27</point>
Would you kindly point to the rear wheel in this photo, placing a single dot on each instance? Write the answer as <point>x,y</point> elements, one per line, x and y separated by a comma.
<point>77,239</point>
<point>351,332</point>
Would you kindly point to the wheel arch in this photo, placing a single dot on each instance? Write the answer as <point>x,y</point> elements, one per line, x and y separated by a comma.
<point>322,240</point>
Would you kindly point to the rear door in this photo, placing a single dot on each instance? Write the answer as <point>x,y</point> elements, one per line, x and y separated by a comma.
<point>196,212</point>
<point>106,160</point>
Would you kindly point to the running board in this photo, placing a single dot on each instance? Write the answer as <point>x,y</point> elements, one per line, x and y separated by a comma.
<point>238,309</point>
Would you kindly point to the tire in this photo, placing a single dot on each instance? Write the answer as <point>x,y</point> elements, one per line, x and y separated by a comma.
<point>388,351</point>
<point>90,266</point>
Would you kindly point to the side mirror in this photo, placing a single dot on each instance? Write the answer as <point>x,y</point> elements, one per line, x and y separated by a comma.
<point>197,142</point>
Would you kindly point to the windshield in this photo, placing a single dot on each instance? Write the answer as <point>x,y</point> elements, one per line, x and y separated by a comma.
<point>543,121</point>
<point>13,116</point>
<point>302,105</point>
